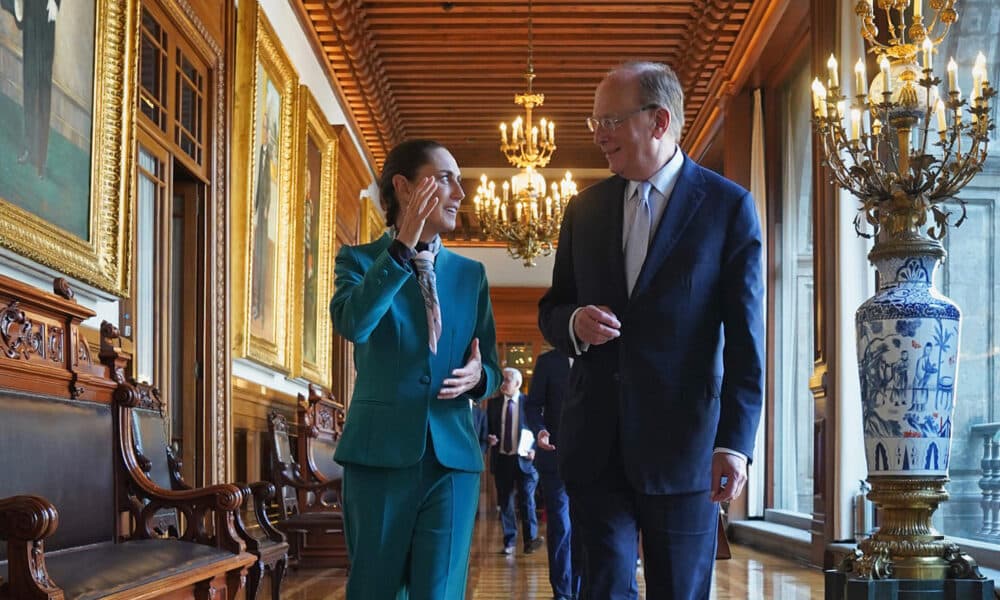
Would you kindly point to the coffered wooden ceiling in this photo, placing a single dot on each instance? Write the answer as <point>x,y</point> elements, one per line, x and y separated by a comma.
<point>449,70</point>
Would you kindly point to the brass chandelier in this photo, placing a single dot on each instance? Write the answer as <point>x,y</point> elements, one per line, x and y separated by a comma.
<point>522,214</point>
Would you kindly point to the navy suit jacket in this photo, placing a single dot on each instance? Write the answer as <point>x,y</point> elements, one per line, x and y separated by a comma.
<point>493,409</point>
<point>545,399</point>
<point>686,374</point>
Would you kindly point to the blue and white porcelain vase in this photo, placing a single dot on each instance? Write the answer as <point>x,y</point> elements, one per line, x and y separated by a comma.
<point>908,361</point>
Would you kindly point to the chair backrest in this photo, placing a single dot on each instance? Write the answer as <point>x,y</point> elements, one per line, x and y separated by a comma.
<point>283,463</point>
<point>60,449</point>
<point>150,446</point>
<point>321,421</point>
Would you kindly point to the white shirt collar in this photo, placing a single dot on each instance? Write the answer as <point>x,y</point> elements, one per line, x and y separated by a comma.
<point>664,180</point>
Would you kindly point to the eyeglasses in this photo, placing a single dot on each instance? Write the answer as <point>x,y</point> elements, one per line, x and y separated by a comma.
<point>612,123</point>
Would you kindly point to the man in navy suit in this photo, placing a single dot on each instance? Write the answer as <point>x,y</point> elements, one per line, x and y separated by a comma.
<point>657,291</point>
<point>545,398</point>
<point>512,469</point>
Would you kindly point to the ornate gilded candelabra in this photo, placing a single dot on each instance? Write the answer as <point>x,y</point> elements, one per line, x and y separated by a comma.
<point>905,151</point>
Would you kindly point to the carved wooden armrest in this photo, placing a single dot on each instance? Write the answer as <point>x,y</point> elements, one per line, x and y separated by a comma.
<point>263,492</point>
<point>25,521</point>
<point>218,504</point>
<point>296,480</point>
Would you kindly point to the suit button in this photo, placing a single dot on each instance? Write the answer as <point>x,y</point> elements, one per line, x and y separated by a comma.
<point>425,379</point>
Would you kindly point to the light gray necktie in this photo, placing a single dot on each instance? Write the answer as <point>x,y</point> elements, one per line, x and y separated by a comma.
<point>424,264</point>
<point>637,240</point>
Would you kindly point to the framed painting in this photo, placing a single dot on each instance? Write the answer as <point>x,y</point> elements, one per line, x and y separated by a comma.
<point>66,130</point>
<point>372,221</point>
<point>313,243</point>
<point>264,149</point>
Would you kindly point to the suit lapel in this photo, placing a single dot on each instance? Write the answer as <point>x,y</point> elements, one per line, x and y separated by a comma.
<point>683,204</point>
<point>613,213</point>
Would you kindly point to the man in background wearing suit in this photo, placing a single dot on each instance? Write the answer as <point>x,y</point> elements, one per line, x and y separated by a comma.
<point>481,426</point>
<point>511,469</point>
<point>657,291</point>
<point>545,398</point>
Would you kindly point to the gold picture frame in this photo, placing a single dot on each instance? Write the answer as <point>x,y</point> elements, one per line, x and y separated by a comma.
<point>372,221</point>
<point>101,257</point>
<point>264,155</point>
<point>313,243</point>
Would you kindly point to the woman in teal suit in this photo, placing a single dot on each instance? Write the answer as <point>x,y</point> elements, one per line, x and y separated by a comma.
<point>424,344</point>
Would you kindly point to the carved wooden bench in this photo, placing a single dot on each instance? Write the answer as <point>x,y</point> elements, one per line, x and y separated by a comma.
<point>67,471</point>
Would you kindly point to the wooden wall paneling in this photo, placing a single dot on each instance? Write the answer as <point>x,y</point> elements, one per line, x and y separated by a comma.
<point>213,15</point>
<point>353,176</point>
<point>825,34</point>
<point>737,134</point>
<point>515,310</point>
<point>252,403</point>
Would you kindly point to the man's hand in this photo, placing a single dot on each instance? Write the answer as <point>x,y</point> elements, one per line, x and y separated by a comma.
<point>414,211</point>
<point>492,439</point>
<point>542,441</point>
<point>729,475</point>
<point>465,378</point>
<point>596,325</point>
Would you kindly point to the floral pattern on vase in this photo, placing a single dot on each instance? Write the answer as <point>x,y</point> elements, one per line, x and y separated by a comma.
<point>908,360</point>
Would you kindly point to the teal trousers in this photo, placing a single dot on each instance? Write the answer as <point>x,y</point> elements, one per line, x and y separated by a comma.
<point>409,530</point>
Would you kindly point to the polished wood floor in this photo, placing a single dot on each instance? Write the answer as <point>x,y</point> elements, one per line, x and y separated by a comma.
<point>750,575</point>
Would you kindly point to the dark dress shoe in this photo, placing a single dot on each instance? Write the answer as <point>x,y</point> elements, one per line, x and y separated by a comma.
<point>534,544</point>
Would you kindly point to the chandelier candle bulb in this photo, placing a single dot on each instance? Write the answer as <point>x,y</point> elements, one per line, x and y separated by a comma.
<point>942,124</point>
<point>860,81</point>
<point>819,98</point>
<point>552,131</point>
<point>928,47</point>
<point>831,66</point>
<point>953,77</point>
<point>855,124</point>
<point>918,9</point>
<point>503,133</point>
<point>886,76</point>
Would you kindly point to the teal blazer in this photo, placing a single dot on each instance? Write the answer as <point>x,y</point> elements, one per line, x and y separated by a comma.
<point>378,306</point>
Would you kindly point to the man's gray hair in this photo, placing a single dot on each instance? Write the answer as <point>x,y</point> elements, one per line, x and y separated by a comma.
<point>658,84</point>
<point>515,373</point>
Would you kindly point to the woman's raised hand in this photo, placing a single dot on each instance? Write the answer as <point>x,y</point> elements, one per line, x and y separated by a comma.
<point>414,211</point>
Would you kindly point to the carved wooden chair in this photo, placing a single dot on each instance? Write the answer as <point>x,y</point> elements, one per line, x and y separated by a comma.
<point>160,463</point>
<point>316,538</point>
<point>321,421</point>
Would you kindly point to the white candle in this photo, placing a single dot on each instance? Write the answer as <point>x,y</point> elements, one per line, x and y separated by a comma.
<point>886,75</point>
<point>503,133</point>
<point>831,67</point>
<point>819,98</point>
<point>928,47</point>
<point>918,9</point>
<point>552,132</point>
<point>939,112</point>
<point>952,75</point>
<point>855,124</point>
<point>860,78</point>
<point>544,130</point>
